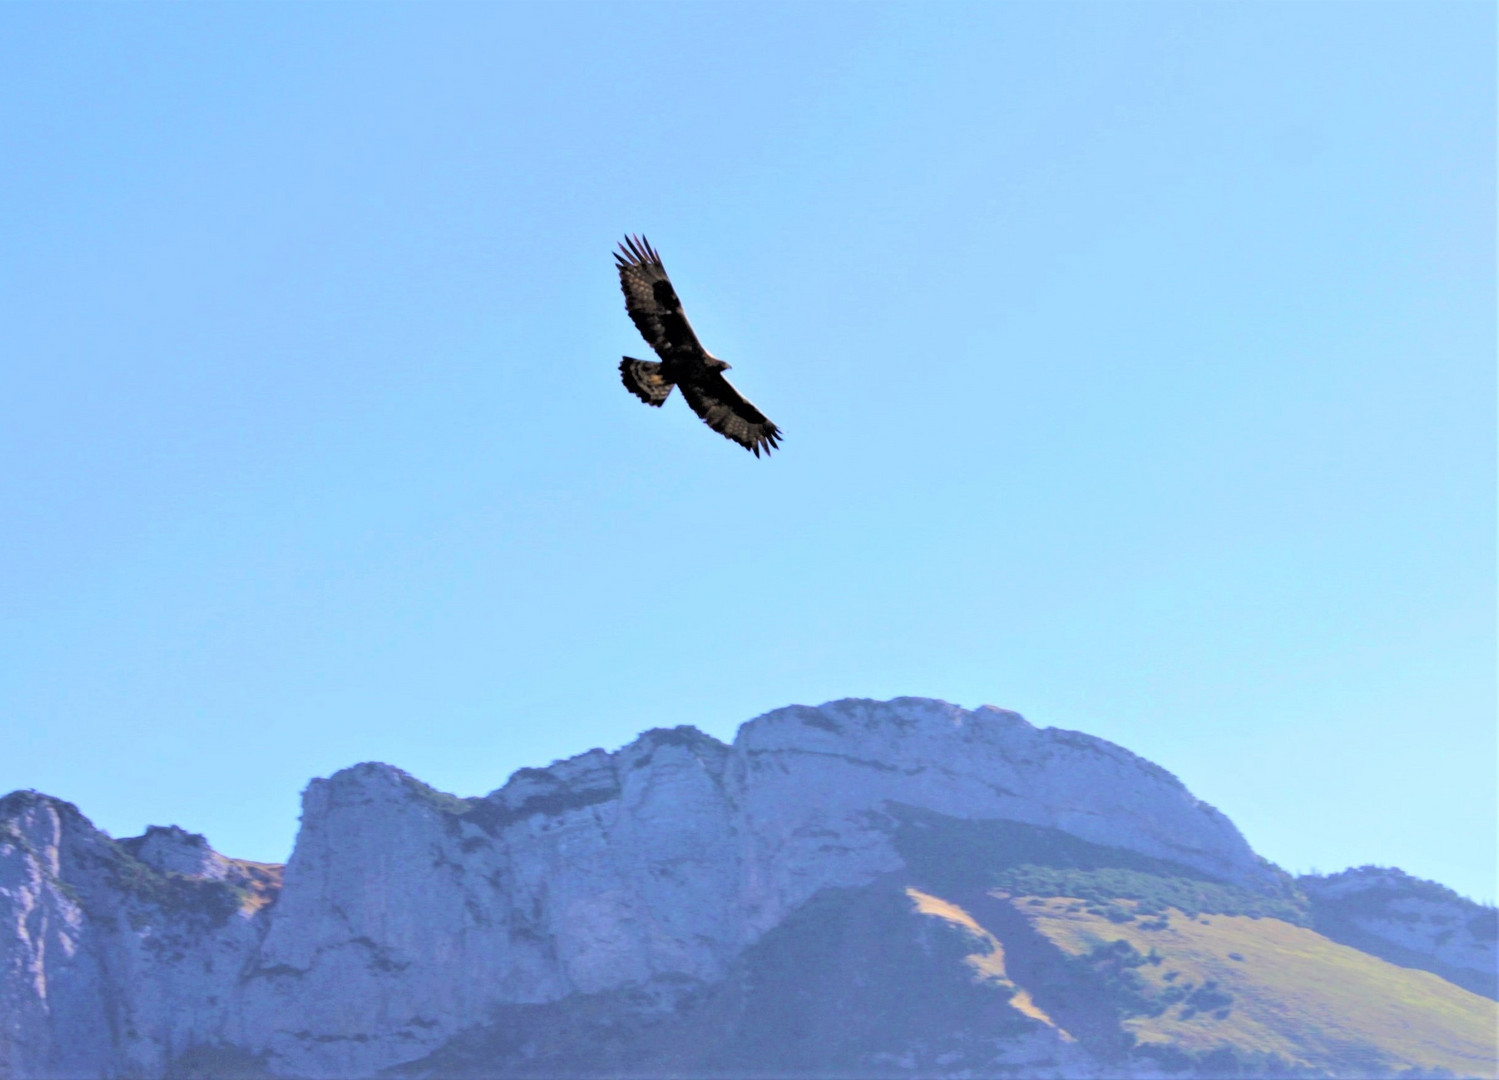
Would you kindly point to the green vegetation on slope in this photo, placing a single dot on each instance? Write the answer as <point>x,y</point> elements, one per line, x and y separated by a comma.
<point>950,853</point>
<point>1191,971</point>
<point>1264,987</point>
<point>1345,906</point>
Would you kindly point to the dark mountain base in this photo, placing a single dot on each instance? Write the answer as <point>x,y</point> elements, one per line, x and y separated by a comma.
<point>850,985</point>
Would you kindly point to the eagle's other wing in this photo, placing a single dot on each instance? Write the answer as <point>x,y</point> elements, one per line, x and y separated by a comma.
<point>652,302</point>
<point>730,413</point>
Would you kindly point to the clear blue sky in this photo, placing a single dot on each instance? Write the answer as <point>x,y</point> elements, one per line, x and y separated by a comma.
<point>1136,363</point>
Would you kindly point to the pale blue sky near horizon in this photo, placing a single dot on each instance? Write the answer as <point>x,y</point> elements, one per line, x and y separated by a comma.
<point>1136,364</point>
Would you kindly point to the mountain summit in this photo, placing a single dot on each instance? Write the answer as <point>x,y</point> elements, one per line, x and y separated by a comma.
<point>901,888</point>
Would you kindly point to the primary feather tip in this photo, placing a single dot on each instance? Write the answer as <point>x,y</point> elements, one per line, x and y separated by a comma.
<point>636,249</point>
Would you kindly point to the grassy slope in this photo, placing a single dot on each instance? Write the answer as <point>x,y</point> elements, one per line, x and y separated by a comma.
<point>988,958</point>
<point>894,980</point>
<point>1295,993</point>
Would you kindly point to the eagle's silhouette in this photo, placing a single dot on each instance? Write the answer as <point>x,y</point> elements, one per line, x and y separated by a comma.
<point>657,314</point>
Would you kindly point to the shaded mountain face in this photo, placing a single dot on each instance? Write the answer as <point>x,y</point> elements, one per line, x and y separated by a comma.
<point>902,888</point>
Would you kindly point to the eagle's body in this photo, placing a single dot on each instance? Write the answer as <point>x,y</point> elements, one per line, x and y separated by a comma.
<point>657,314</point>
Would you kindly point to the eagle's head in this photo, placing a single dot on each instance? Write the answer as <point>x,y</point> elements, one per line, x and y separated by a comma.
<point>715,364</point>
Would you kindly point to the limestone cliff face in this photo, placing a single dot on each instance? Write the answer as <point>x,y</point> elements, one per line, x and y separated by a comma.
<point>111,964</point>
<point>407,916</point>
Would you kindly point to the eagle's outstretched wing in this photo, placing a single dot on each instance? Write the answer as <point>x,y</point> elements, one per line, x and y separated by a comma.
<point>730,413</point>
<point>657,314</point>
<point>652,302</point>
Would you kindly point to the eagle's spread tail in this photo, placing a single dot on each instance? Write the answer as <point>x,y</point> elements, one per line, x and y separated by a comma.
<point>643,378</point>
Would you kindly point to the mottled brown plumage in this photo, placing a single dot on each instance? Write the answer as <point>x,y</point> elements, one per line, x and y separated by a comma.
<point>657,314</point>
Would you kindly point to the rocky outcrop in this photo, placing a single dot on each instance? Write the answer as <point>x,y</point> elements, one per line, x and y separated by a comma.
<point>407,916</point>
<point>1409,922</point>
<point>112,965</point>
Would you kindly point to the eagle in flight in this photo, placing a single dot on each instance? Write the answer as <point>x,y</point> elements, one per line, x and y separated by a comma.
<point>657,314</point>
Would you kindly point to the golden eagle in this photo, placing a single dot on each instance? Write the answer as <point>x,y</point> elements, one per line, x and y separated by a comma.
<point>657,314</point>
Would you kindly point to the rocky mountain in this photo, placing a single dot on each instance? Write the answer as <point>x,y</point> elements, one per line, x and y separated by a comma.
<point>862,889</point>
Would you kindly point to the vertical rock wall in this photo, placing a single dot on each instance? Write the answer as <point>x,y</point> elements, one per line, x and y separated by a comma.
<point>407,915</point>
